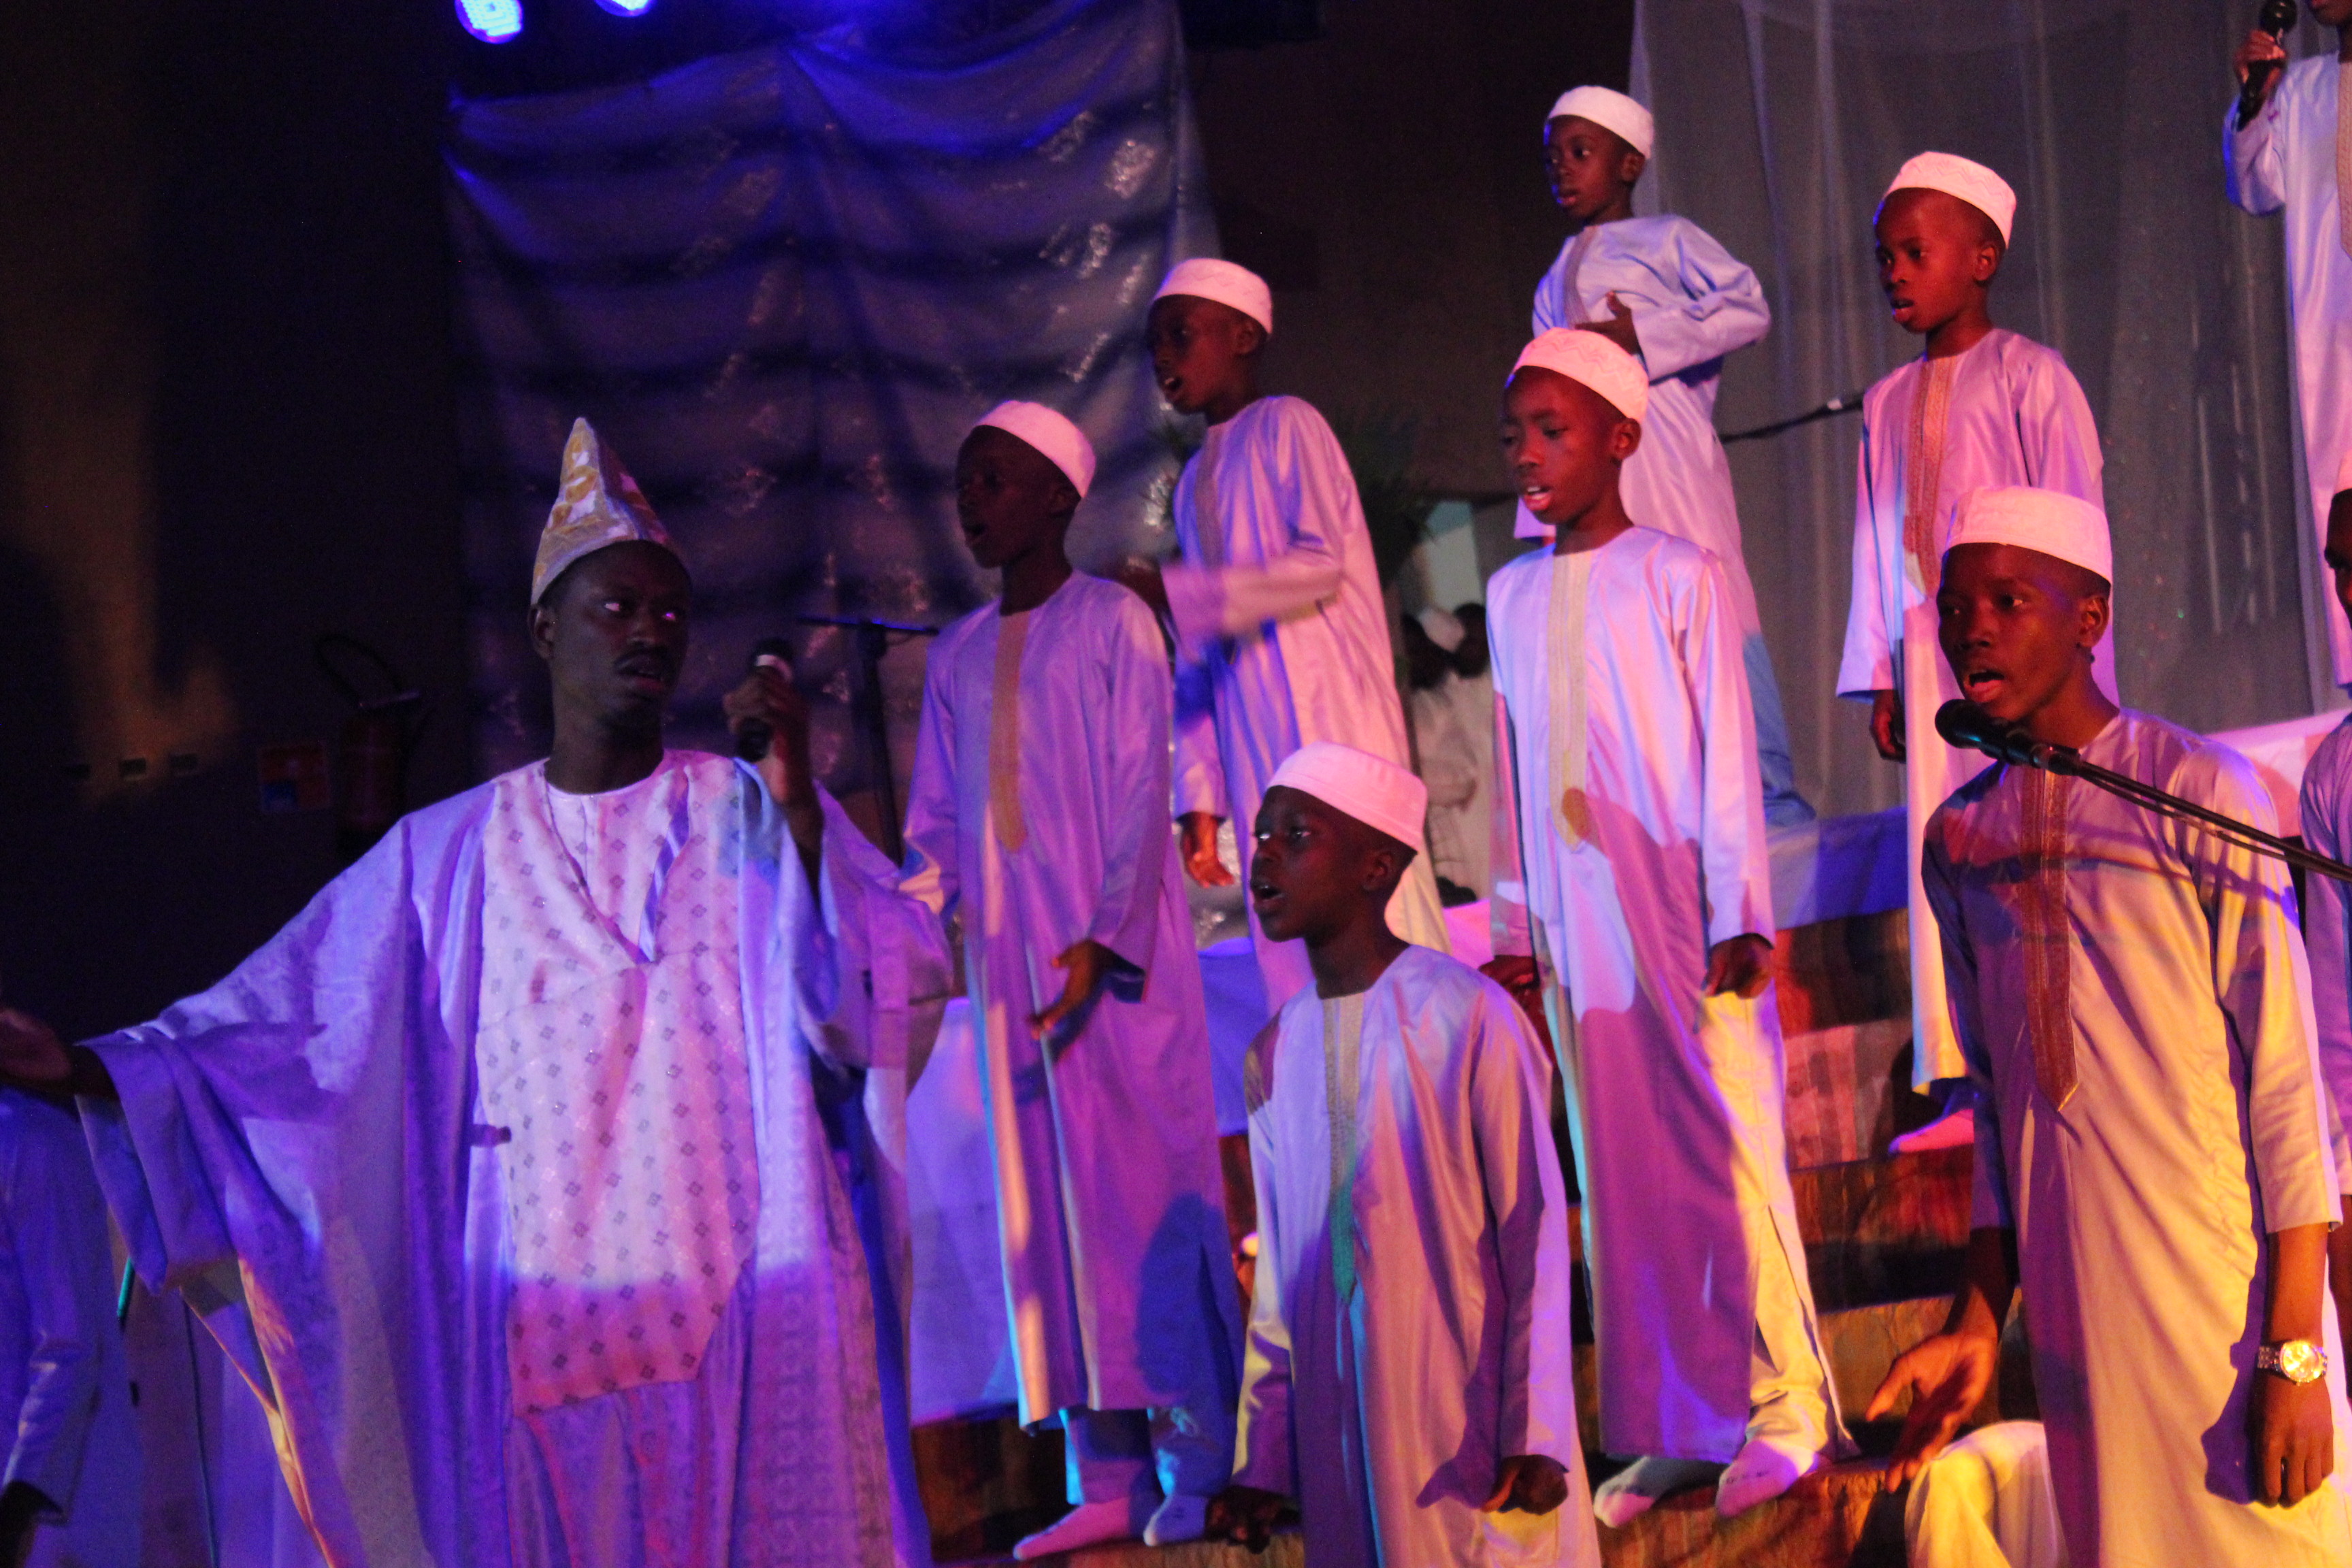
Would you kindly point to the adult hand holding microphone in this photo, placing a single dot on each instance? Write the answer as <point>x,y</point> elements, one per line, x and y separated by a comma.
<point>2261,57</point>
<point>770,720</point>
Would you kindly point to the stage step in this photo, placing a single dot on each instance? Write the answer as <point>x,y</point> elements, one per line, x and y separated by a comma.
<point>1841,1518</point>
<point>1885,1229</point>
<point>1287,1550</point>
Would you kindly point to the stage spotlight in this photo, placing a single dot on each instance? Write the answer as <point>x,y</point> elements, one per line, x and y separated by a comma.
<point>492,21</point>
<point>626,7</point>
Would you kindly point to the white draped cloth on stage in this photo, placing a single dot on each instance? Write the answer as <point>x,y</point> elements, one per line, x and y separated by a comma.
<point>1629,827</point>
<point>2005,412</point>
<point>64,1389</point>
<point>1279,620</point>
<point>1410,1325</point>
<point>1039,817</point>
<point>308,1152</point>
<point>2131,996</point>
<point>2287,159</point>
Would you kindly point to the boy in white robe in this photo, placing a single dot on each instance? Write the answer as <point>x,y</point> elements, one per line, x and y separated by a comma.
<point>2152,1158</point>
<point>1039,815</point>
<point>1281,636</point>
<point>1409,1380</point>
<point>1636,903</point>
<point>511,1173</point>
<point>2289,159</point>
<point>71,1492</point>
<point>1982,406</point>
<point>1668,292</point>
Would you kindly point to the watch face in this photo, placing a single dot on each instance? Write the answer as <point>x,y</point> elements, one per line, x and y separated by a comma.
<point>2302,1361</point>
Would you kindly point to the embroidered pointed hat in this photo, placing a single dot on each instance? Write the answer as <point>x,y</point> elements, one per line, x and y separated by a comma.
<point>596,504</point>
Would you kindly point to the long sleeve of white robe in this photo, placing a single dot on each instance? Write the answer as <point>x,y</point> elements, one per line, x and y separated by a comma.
<point>63,1379</point>
<point>301,1152</point>
<point>2327,811</point>
<point>2284,162</point>
<point>1676,1098</point>
<point>2196,1126</point>
<point>2015,416</point>
<point>1385,1414</point>
<point>1694,303</point>
<point>1279,622</point>
<point>1109,1193</point>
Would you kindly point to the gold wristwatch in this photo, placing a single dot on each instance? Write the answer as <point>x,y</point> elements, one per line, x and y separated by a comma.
<point>2297,1361</point>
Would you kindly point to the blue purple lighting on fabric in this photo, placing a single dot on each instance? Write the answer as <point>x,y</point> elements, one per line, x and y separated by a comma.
<point>493,21</point>
<point>626,7</point>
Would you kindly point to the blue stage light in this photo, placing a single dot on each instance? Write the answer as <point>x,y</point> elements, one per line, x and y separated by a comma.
<point>492,21</point>
<point>626,7</point>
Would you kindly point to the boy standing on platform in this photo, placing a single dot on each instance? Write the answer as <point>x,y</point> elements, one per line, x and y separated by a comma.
<point>2152,1159</point>
<point>1666,293</point>
<point>1281,636</point>
<point>1636,900</point>
<point>2292,155</point>
<point>1039,816</point>
<point>1982,406</point>
<point>1408,1379</point>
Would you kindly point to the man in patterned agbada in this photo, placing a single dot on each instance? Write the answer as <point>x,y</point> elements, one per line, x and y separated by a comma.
<point>511,1173</point>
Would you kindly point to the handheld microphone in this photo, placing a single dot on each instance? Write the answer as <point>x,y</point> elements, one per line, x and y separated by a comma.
<point>2276,18</point>
<point>751,741</point>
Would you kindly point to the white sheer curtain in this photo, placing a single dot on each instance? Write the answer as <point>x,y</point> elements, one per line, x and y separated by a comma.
<point>1780,122</point>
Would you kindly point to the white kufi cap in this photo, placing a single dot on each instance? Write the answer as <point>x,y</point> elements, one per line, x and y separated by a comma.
<point>1610,112</point>
<point>1590,358</point>
<point>1373,790</point>
<point>2051,522</point>
<point>1053,436</point>
<point>1969,181</point>
<point>1205,278</point>
<point>1443,627</point>
<point>596,504</point>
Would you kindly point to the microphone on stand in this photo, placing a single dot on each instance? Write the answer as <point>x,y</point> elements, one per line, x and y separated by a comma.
<point>751,741</point>
<point>2276,18</point>
<point>1970,727</point>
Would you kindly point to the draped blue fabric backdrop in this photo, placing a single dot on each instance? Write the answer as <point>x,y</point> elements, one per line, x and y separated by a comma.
<point>783,283</point>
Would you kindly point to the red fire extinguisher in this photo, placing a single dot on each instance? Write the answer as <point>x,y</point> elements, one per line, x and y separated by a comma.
<point>372,758</point>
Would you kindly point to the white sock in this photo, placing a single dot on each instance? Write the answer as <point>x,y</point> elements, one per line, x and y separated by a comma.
<point>1766,1468</point>
<point>1088,1524</point>
<point>1628,1494</point>
<point>1181,1517</point>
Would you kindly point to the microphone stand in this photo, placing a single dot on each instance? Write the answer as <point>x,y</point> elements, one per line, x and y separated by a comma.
<point>2015,748</point>
<point>872,640</point>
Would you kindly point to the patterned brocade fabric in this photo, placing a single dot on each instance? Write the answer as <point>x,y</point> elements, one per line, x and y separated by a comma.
<point>612,1050</point>
<point>2050,1011</point>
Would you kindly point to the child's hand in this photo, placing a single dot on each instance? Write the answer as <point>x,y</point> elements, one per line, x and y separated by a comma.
<point>1200,851</point>
<point>1087,962</point>
<point>2292,1436</point>
<point>1886,724</point>
<point>1244,1515</point>
<point>2260,49</point>
<point>1741,966</point>
<point>1947,1376</point>
<point>1618,328</point>
<point>1532,1483</point>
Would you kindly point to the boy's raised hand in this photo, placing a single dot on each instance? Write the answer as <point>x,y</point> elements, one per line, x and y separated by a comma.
<point>1886,724</point>
<point>1244,1515</point>
<point>1532,1483</point>
<point>1618,328</point>
<point>2260,49</point>
<point>1946,1375</point>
